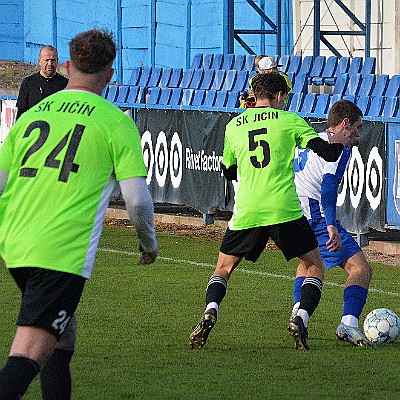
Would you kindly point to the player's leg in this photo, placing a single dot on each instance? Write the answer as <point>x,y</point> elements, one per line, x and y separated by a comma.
<point>296,239</point>
<point>301,273</point>
<point>216,290</point>
<point>248,243</point>
<point>41,323</point>
<point>29,352</point>
<point>354,298</point>
<point>55,377</point>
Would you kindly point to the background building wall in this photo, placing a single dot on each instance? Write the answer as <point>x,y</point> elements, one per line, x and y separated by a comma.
<point>385,30</point>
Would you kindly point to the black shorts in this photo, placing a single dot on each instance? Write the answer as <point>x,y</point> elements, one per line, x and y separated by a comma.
<point>49,298</point>
<point>294,238</point>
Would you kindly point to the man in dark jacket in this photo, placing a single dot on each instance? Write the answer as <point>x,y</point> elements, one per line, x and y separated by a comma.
<point>47,81</point>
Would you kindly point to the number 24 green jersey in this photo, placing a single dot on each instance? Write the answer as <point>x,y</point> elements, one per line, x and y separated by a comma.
<point>63,157</point>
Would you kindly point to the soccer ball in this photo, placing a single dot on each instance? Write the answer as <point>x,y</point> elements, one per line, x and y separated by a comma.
<point>382,326</point>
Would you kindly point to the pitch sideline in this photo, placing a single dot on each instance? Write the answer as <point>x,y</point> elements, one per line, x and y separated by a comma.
<point>242,270</point>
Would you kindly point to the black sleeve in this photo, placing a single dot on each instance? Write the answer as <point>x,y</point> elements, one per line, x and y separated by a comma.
<point>328,151</point>
<point>230,173</point>
<point>22,101</point>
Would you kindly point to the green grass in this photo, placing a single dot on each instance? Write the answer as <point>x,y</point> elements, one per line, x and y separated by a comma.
<point>134,323</point>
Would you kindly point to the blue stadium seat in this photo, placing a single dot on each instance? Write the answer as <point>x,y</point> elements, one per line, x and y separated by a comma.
<point>219,79</point>
<point>176,77</point>
<point>355,65</point>
<point>104,92</point>
<point>217,61</point>
<point>321,106</point>
<point>249,62</point>
<point>333,99</point>
<point>207,60</point>
<point>368,66</point>
<point>308,104</point>
<point>341,84</point>
<point>112,93</point>
<point>135,75</point>
<point>187,98</point>
<point>294,65</point>
<point>209,100</point>
<point>353,85</point>
<point>393,88</point>
<point>327,72</point>
<point>390,107</point>
<point>228,62</point>
<point>132,95</point>
<point>341,68</point>
<point>376,106</point>
<point>317,67</point>
<point>306,65</point>
<point>233,99</point>
<point>363,103</point>
<point>154,95</point>
<point>197,78</point>
<point>381,84</point>
<point>165,77</point>
<point>197,61</point>
<point>144,77</point>
<point>198,98</point>
<point>296,102</point>
<point>284,61</point>
<point>208,78</point>
<point>123,91</point>
<point>165,95</point>
<point>241,82</point>
<point>367,85</point>
<point>220,99</point>
<point>186,78</point>
<point>350,97</point>
<point>230,79</point>
<point>176,98</point>
<point>238,64</point>
<point>300,84</point>
<point>154,77</point>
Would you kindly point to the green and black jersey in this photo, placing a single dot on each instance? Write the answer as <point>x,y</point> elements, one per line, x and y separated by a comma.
<point>63,157</point>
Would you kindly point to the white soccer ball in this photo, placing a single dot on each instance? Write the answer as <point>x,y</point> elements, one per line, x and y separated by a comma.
<point>382,326</point>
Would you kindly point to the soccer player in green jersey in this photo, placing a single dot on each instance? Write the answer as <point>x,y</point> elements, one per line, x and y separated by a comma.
<point>259,150</point>
<point>58,167</point>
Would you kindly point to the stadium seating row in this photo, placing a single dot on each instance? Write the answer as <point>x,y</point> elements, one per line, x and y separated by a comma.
<point>315,105</point>
<point>167,98</point>
<point>190,78</point>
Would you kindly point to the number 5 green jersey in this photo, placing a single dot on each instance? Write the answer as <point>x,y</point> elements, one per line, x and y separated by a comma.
<point>63,157</point>
<point>262,141</point>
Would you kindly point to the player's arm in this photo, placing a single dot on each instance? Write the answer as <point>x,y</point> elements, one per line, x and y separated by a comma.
<point>229,162</point>
<point>329,190</point>
<point>140,208</point>
<point>3,180</point>
<point>328,151</point>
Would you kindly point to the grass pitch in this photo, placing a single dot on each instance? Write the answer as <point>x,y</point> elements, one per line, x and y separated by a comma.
<point>134,323</point>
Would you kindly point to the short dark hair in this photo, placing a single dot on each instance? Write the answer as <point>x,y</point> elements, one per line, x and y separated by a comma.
<point>265,86</point>
<point>91,51</point>
<point>343,109</point>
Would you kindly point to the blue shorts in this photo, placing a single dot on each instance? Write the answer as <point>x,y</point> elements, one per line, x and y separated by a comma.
<point>334,258</point>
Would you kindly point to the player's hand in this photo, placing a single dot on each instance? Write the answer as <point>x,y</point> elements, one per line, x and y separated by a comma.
<point>335,241</point>
<point>147,257</point>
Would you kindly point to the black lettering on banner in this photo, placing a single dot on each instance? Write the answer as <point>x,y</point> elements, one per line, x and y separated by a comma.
<point>68,164</point>
<point>253,144</point>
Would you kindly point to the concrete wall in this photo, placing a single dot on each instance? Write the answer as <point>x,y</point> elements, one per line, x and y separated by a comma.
<point>164,33</point>
<point>385,30</point>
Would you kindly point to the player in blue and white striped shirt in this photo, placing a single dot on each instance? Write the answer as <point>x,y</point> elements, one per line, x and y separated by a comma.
<point>317,183</point>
